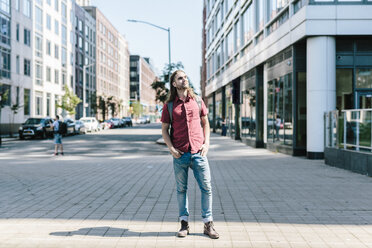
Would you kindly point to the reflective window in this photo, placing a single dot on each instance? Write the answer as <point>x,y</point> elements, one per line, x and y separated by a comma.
<point>344,89</point>
<point>5,29</point>
<point>26,102</point>
<point>248,112</point>
<point>248,24</point>
<point>279,111</point>
<point>4,63</point>
<point>364,78</point>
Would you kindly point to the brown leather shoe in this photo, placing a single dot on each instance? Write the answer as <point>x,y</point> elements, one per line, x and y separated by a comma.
<point>210,231</point>
<point>185,229</point>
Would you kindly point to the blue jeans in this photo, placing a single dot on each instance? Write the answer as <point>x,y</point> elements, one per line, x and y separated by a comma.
<point>200,167</point>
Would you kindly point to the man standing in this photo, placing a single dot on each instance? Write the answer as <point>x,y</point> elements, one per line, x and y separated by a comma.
<point>57,136</point>
<point>188,143</point>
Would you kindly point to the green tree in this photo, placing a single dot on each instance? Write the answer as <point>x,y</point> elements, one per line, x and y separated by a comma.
<point>137,108</point>
<point>69,101</point>
<point>14,108</point>
<point>161,90</point>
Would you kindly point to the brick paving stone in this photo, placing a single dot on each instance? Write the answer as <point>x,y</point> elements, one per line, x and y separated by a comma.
<point>95,197</point>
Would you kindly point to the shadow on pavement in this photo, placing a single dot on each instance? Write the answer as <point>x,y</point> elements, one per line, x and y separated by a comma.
<point>106,231</point>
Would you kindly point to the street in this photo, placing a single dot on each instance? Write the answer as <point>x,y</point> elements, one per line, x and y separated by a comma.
<point>116,188</point>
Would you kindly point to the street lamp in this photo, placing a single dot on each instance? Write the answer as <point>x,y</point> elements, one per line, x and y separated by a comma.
<point>84,86</point>
<point>165,29</point>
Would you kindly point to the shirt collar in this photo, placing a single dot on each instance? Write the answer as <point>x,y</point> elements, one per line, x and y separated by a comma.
<point>186,100</point>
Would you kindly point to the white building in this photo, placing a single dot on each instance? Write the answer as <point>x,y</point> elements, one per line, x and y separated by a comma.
<point>275,66</point>
<point>124,57</point>
<point>53,42</point>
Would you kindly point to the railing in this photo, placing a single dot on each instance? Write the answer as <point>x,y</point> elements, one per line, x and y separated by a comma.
<point>351,130</point>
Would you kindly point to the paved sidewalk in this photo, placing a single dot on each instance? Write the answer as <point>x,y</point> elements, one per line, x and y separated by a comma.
<point>261,199</point>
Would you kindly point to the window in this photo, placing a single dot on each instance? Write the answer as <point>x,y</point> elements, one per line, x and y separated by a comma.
<point>49,22</point>
<point>48,74</point>
<point>26,102</point>
<point>229,45</point>
<point>64,12</point>
<point>64,57</point>
<point>17,5</point>
<point>39,73</point>
<point>72,38</point>
<point>56,5</point>
<point>39,103</point>
<point>27,67</point>
<point>64,35</point>
<point>237,40</point>
<point>27,8</point>
<point>56,27</point>
<point>38,19</point>
<point>40,2</point>
<point>49,2</point>
<point>248,24</point>
<point>27,37</point>
<point>6,89</point>
<point>260,15</point>
<point>48,47</point>
<point>4,62</point>
<point>18,69</point>
<point>56,76</point>
<point>56,51</point>
<point>48,104</point>
<point>56,97</point>
<point>5,29</point>
<point>38,46</point>
<point>63,78</point>
<point>17,32</point>
<point>5,6</point>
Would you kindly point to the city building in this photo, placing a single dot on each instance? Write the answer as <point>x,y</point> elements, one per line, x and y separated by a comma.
<point>142,75</point>
<point>53,44</point>
<point>16,83</point>
<point>85,54</point>
<point>124,57</point>
<point>107,69</point>
<point>275,67</point>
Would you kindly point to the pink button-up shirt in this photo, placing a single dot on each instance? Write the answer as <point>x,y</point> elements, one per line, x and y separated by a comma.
<point>188,135</point>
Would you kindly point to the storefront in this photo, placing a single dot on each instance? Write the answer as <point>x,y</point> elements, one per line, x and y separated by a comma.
<point>354,73</point>
<point>251,121</point>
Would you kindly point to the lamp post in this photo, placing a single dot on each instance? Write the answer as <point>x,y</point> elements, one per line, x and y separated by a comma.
<point>84,88</point>
<point>165,29</point>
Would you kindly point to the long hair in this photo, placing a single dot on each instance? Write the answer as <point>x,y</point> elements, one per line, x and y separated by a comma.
<point>173,90</point>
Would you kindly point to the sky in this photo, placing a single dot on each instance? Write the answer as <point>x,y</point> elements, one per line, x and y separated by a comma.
<point>183,17</point>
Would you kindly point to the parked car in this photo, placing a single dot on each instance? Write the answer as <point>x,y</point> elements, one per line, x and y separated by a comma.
<point>116,122</point>
<point>71,129</point>
<point>147,119</point>
<point>108,124</point>
<point>36,127</point>
<point>122,123</point>
<point>141,120</point>
<point>80,127</point>
<point>128,121</point>
<point>91,124</point>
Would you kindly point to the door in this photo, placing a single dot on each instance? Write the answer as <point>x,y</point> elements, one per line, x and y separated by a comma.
<point>364,100</point>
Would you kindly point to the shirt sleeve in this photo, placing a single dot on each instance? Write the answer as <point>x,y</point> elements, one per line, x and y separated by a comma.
<point>165,114</point>
<point>204,110</point>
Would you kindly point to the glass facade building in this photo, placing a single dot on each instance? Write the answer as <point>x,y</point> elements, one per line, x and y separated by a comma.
<point>273,68</point>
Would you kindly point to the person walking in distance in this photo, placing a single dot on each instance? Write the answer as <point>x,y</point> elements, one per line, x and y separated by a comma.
<point>185,116</point>
<point>57,136</point>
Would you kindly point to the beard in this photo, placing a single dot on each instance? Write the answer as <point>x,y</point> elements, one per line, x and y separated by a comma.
<point>182,87</point>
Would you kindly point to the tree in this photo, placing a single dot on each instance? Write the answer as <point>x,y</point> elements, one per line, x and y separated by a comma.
<point>69,101</point>
<point>137,108</point>
<point>161,91</point>
<point>102,105</point>
<point>14,108</point>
